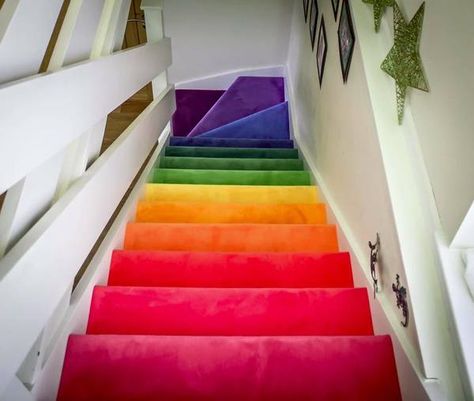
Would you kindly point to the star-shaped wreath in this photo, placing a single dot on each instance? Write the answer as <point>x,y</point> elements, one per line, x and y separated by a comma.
<point>403,62</point>
<point>379,8</point>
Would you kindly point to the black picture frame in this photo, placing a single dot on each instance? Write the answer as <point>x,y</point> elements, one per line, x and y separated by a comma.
<point>306,9</point>
<point>321,51</point>
<point>313,21</point>
<point>346,39</point>
<point>335,7</point>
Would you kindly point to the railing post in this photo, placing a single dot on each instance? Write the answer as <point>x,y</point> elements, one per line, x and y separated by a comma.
<point>153,10</point>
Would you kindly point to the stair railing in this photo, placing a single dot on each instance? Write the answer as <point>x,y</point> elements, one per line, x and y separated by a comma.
<point>59,194</point>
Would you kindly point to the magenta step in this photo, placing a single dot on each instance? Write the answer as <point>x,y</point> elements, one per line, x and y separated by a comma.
<point>181,368</point>
<point>242,270</point>
<point>229,311</point>
<point>246,96</point>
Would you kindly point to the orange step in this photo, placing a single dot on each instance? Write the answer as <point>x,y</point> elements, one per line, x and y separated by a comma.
<point>184,212</point>
<point>232,237</point>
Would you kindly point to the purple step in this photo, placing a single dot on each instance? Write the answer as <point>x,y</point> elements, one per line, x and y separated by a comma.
<point>232,142</point>
<point>246,96</point>
<point>191,106</point>
<point>272,123</point>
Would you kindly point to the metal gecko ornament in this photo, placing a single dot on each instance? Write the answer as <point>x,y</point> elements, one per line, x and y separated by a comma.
<point>401,294</point>
<point>403,62</point>
<point>379,9</point>
<point>374,256</point>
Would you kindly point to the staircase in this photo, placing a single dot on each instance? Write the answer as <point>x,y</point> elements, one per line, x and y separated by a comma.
<point>230,285</point>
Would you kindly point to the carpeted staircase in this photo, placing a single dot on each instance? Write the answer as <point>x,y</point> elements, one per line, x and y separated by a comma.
<point>230,285</point>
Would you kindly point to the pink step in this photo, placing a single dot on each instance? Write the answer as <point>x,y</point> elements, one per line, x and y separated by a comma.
<point>230,311</point>
<point>178,368</point>
<point>217,269</point>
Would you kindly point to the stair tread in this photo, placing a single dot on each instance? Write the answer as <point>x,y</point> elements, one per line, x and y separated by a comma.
<point>231,193</point>
<point>221,269</point>
<point>206,212</point>
<point>232,142</point>
<point>229,311</point>
<point>125,368</point>
<point>231,177</point>
<point>231,237</point>
<point>200,151</point>
<point>211,163</point>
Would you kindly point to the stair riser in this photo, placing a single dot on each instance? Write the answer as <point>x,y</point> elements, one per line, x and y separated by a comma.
<point>231,238</point>
<point>229,312</point>
<point>255,153</point>
<point>226,270</point>
<point>162,212</point>
<point>230,164</point>
<point>231,177</point>
<point>232,143</point>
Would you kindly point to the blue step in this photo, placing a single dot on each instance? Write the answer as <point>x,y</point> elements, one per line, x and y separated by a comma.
<point>231,142</point>
<point>272,123</point>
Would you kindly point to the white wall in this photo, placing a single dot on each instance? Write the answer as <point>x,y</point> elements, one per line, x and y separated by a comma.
<point>444,118</point>
<point>217,36</point>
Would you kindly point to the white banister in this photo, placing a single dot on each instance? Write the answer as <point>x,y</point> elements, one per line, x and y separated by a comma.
<point>35,274</point>
<point>62,106</point>
<point>25,30</point>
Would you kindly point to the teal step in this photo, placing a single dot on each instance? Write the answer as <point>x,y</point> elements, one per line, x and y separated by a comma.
<point>207,163</point>
<point>242,153</point>
<point>231,177</point>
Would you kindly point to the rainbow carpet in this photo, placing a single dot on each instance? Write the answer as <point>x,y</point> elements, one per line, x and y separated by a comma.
<point>230,285</point>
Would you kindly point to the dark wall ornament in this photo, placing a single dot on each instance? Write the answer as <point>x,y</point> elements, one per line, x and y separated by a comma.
<point>313,21</point>
<point>321,51</point>
<point>401,294</point>
<point>403,62</point>
<point>335,8</point>
<point>374,258</point>
<point>379,8</point>
<point>305,8</point>
<point>346,38</point>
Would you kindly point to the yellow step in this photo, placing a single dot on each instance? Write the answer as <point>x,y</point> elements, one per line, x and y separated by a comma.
<point>231,193</point>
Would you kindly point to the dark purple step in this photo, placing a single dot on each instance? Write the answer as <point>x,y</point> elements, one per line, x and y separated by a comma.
<point>191,107</point>
<point>246,96</point>
<point>232,142</point>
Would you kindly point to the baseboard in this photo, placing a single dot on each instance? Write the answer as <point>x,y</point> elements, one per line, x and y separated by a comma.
<point>223,80</point>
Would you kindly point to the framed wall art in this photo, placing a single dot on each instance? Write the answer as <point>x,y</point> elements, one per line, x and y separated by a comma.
<point>306,9</point>
<point>335,8</point>
<point>313,21</point>
<point>321,51</point>
<point>346,38</point>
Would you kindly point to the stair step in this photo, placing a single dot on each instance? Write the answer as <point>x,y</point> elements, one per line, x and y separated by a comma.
<point>231,193</point>
<point>138,368</point>
<point>187,212</point>
<point>246,96</point>
<point>239,270</point>
<point>232,142</point>
<point>248,153</point>
<point>231,237</point>
<point>230,311</point>
<point>207,163</point>
<point>231,177</point>
<point>271,123</point>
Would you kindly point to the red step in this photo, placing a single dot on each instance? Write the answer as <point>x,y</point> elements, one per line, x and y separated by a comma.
<point>178,368</point>
<point>241,270</point>
<point>229,312</point>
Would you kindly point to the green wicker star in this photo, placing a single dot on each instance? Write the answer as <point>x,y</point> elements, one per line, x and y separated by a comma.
<point>403,62</point>
<point>379,8</point>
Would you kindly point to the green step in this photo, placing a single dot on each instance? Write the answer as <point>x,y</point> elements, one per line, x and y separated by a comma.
<point>242,153</point>
<point>231,177</point>
<point>208,163</point>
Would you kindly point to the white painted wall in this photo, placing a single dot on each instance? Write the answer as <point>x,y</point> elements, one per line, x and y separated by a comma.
<point>216,36</point>
<point>444,118</point>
